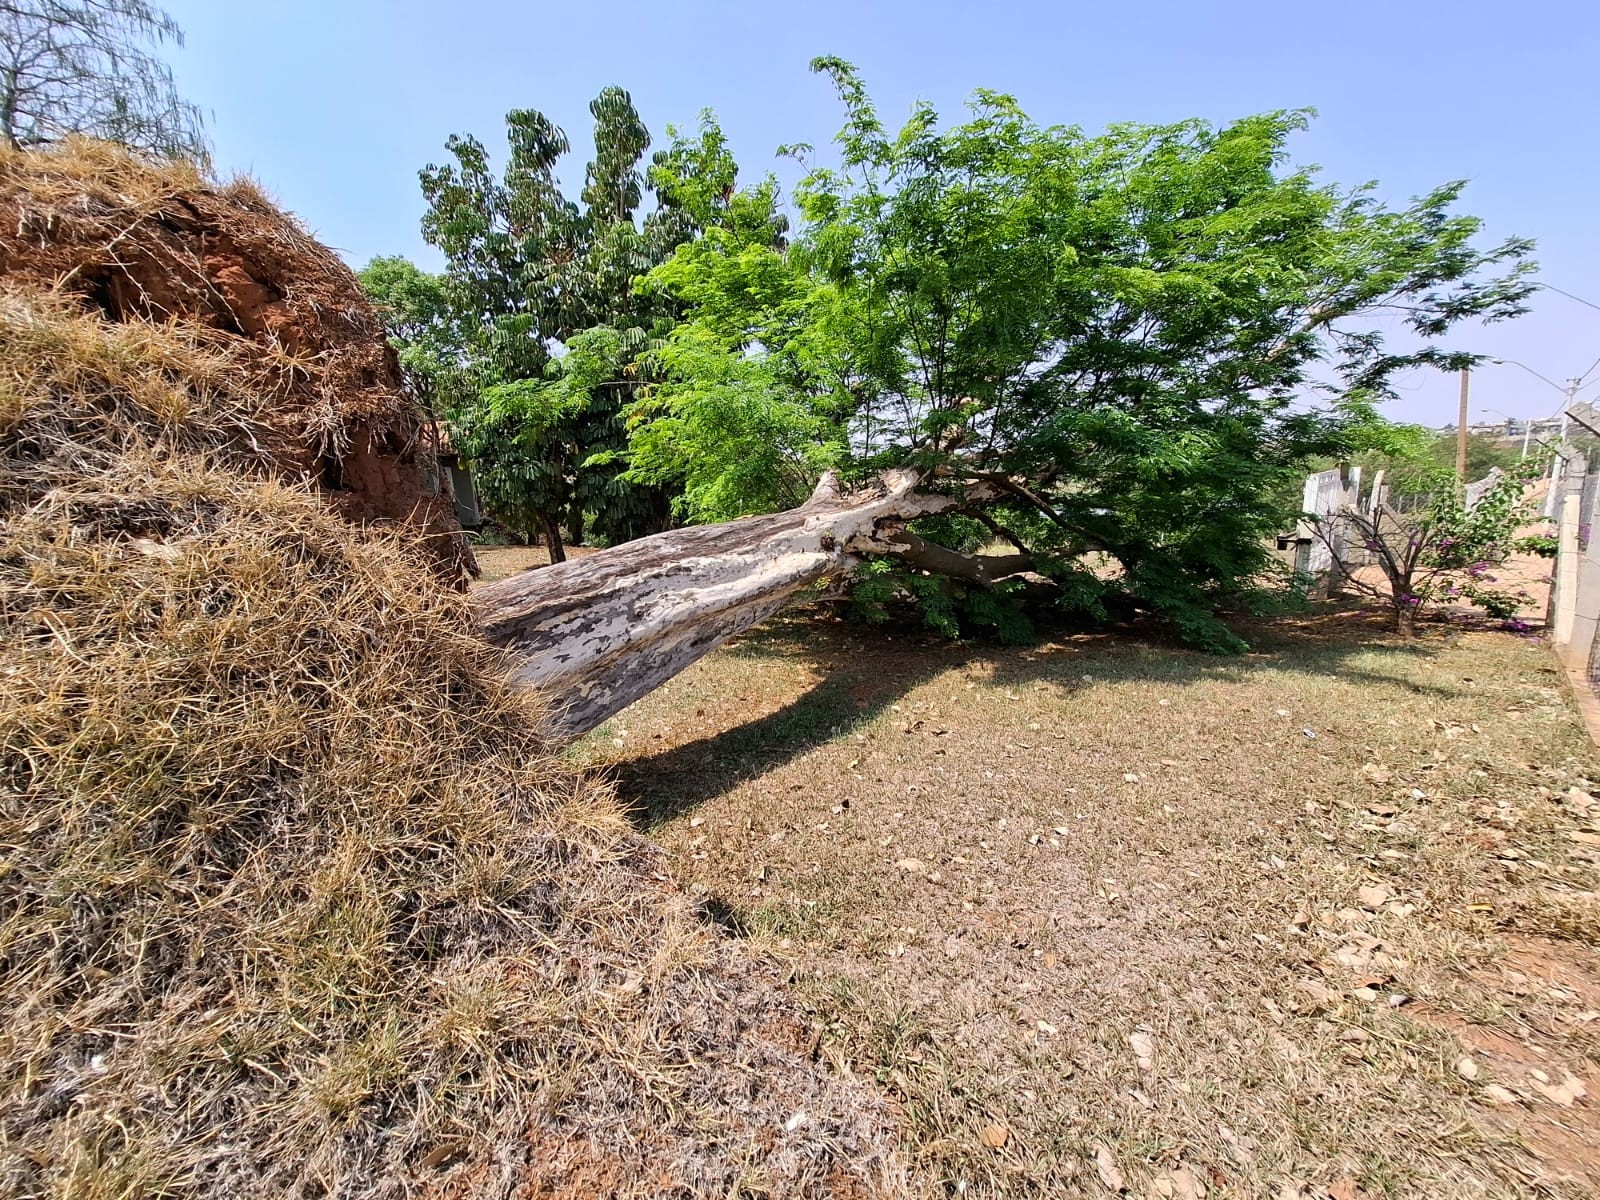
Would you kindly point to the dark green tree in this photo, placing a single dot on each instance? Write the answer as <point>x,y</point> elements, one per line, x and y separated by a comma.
<point>85,66</point>
<point>549,327</point>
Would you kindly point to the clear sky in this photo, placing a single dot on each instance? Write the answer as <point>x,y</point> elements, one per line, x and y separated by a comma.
<point>335,105</point>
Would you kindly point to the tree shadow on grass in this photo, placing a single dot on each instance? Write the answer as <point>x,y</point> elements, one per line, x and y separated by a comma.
<point>861,680</point>
<point>866,671</point>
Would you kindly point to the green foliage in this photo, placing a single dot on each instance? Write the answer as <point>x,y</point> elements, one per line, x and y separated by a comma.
<point>424,326</point>
<point>535,348</point>
<point>1082,593</point>
<point>1541,544</point>
<point>85,66</point>
<point>1123,328</point>
<point>945,606</point>
<point>727,430</point>
<point>875,585</point>
<point>1484,454</point>
<point>1421,460</point>
<point>1414,459</point>
<point>725,418</point>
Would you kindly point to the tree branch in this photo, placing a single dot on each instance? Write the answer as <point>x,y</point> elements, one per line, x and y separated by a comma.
<point>1007,484</point>
<point>994,527</point>
<point>985,570</point>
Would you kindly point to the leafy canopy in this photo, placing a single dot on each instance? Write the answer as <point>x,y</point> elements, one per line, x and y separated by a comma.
<point>529,340</point>
<point>1137,337</point>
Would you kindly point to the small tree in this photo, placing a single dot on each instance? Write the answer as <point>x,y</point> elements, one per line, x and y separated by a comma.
<point>83,66</point>
<point>424,328</point>
<point>1442,553</point>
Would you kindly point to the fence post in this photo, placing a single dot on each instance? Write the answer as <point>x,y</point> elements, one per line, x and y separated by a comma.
<point>1568,565</point>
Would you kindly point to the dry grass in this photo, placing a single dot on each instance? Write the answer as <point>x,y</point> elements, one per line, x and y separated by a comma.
<point>293,901</point>
<point>78,394</point>
<point>153,240</point>
<point>1004,878</point>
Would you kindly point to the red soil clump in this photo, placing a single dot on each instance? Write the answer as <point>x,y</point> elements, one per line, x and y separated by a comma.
<point>135,240</point>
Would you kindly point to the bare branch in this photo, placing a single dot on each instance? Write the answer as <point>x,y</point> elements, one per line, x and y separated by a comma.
<point>985,570</point>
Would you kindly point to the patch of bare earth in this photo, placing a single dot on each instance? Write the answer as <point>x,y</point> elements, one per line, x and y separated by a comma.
<point>502,562</point>
<point>1111,917</point>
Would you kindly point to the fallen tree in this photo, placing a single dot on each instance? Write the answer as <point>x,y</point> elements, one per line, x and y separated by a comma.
<point>594,634</point>
<point>1118,331</point>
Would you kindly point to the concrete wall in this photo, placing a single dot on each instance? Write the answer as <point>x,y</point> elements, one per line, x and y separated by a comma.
<point>1575,593</point>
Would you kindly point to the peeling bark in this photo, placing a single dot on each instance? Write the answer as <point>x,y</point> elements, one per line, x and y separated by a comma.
<point>596,633</point>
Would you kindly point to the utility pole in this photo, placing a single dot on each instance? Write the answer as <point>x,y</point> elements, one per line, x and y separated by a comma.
<point>1558,461</point>
<point>1571,391</point>
<point>1461,431</point>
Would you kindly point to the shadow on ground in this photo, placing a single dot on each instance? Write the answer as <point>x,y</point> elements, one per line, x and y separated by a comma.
<point>865,671</point>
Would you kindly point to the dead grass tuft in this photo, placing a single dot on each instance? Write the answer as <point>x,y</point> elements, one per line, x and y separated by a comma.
<point>79,394</point>
<point>154,241</point>
<point>293,899</point>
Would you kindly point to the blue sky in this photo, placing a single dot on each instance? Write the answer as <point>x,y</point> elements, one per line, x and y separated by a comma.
<point>334,106</point>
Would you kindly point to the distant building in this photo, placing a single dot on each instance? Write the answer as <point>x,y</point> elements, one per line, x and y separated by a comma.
<point>1510,429</point>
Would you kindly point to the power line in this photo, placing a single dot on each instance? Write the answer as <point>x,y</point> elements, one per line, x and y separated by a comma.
<point>1558,291</point>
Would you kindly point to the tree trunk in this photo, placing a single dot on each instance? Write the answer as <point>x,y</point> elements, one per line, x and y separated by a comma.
<point>552,537</point>
<point>1405,620</point>
<point>575,524</point>
<point>597,633</point>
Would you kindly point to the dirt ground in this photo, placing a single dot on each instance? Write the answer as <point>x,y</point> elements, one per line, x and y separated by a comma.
<point>1525,573</point>
<point>501,562</point>
<point>1107,916</point>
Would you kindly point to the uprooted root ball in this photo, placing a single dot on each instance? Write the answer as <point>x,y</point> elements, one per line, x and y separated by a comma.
<point>155,246</point>
<point>293,900</point>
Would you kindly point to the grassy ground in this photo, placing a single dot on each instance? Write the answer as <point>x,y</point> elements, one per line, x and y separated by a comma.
<point>1105,915</point>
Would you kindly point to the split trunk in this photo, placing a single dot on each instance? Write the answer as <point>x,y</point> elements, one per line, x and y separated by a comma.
<point>596,633</point>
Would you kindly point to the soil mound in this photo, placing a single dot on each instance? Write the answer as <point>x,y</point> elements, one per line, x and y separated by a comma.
<point>132,240</point>
<point>293,899</point>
